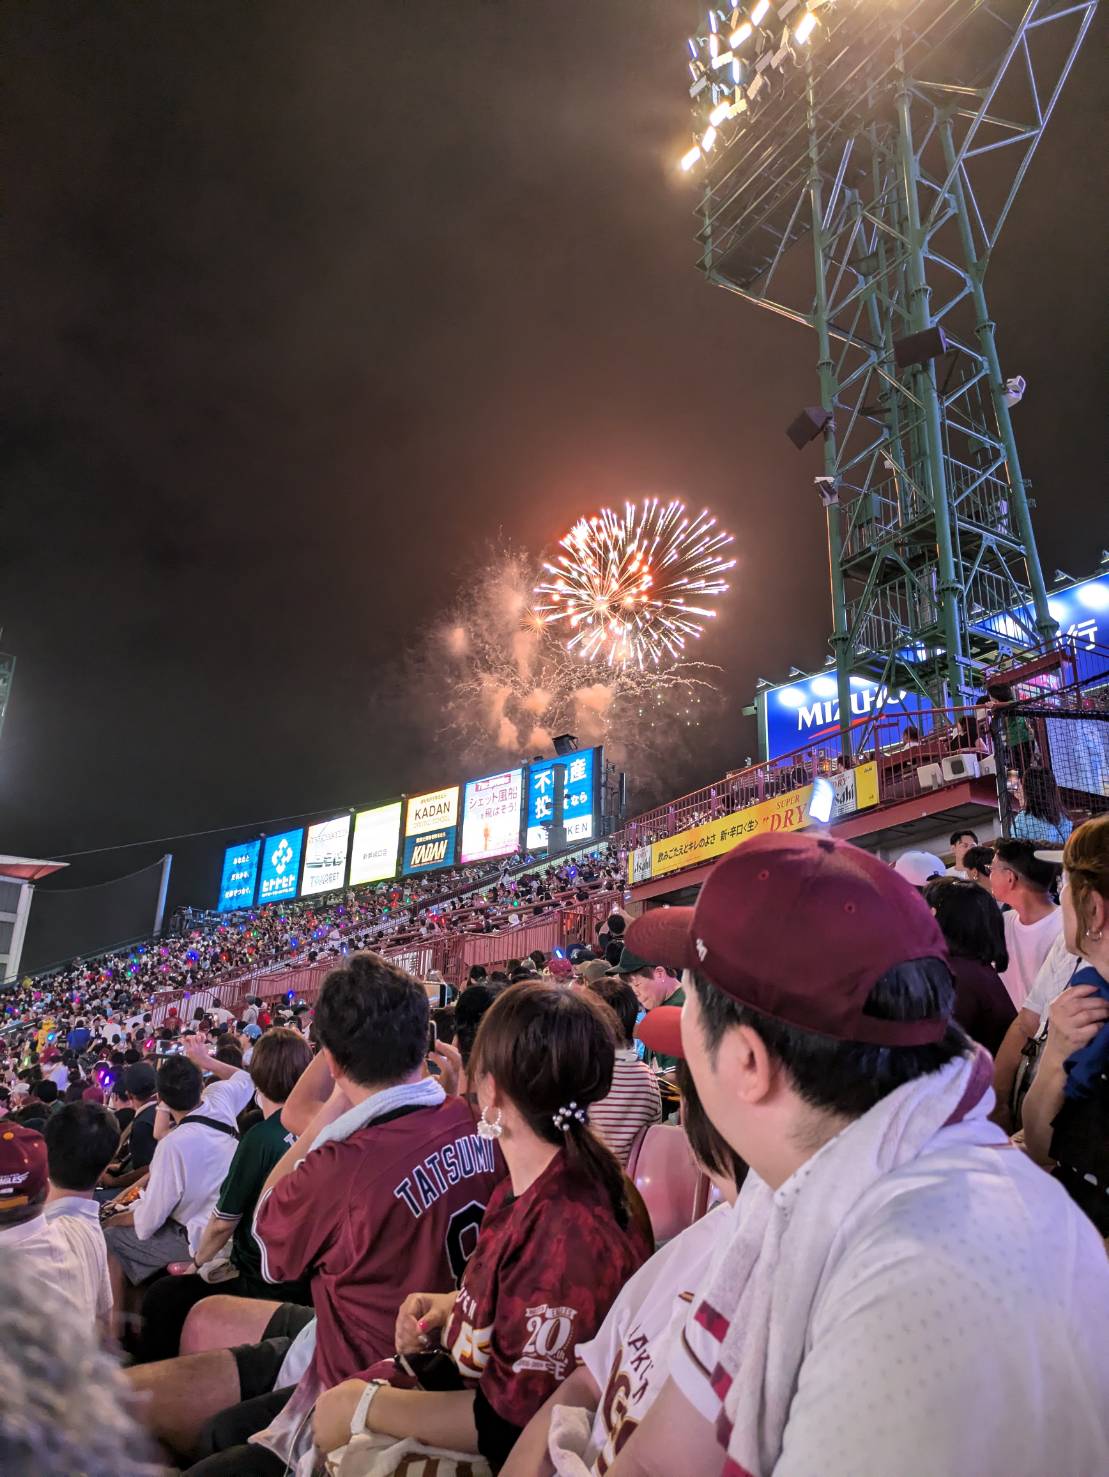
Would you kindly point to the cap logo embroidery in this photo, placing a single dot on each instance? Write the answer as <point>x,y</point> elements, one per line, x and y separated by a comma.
<point>699,944</point>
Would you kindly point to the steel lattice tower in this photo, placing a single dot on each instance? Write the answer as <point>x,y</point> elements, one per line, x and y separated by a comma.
<point>894,135</point>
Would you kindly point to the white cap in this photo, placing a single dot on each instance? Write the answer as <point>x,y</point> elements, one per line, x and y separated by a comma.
<point>918,867</point>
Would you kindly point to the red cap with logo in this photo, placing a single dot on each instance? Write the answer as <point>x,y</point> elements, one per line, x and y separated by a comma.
<point>23,1171</point>
<point>800,928</point>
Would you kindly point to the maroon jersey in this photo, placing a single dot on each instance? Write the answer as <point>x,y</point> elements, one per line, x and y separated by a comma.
<point>392,1210</point>
<point>546,1269</point>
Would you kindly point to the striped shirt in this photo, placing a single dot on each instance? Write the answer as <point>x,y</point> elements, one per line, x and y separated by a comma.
<point>633,1103</point>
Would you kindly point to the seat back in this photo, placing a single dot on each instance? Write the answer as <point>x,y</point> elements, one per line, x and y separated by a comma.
<point>665,1174</point>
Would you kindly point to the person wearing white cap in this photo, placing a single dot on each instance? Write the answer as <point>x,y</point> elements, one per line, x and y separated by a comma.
<point>918,867</point>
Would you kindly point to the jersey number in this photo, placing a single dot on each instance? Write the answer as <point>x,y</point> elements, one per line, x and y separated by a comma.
<point>461,1238</point>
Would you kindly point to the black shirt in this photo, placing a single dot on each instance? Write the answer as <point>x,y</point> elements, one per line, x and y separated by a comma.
<point>141,1143</point>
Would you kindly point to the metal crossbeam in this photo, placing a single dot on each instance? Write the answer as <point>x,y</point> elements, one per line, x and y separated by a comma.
<point>897,146</point>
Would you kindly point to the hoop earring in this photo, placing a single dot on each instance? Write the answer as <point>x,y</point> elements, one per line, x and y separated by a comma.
<point>490,1128</point>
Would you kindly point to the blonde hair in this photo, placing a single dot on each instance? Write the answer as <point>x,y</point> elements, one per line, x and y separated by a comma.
<point>1086,859</point>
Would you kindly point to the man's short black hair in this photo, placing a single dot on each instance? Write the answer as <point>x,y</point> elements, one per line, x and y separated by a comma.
<point>373,1019</point>
<point>46,1090</point>
<point>957,836</point>
<point>848,1077</point>
<point>978,859</point>
<point>180,1083</point>
<point>81,1140</point>
<point>1020,857</point>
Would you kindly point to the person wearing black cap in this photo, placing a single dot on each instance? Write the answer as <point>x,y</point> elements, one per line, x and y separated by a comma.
<point>867,1282</point>
<point>654,985</point>
<point>137,1090</point>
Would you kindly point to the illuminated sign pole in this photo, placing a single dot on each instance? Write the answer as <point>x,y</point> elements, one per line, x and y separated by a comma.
<point>896,136</point>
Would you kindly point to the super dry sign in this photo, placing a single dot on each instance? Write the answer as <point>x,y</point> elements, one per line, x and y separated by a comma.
<point>790,812</point>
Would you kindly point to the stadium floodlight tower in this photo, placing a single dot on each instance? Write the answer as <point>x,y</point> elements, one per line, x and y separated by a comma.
<point>895,135</point>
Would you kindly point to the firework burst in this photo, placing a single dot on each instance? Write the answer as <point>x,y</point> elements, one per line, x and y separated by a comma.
<point>496,673</point>
<point>630,591</point>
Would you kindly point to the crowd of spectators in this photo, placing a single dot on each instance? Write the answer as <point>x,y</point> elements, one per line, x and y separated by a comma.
<point>372,1234</point>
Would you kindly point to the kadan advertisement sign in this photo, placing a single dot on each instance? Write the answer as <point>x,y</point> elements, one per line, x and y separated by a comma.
<point>280,866</point>
<point>579,803</point>
<point>431,830</point>
<point>325,856</point>
<point>373,856</point>
<point>491,816</point>
<point>240,873</point>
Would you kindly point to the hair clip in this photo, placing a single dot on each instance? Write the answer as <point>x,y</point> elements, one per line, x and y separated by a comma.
<point>566,1115</point>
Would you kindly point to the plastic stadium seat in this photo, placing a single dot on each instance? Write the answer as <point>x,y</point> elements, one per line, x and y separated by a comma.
<point>663,1170</point>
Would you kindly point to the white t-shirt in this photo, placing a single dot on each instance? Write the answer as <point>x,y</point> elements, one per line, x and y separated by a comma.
<point>1028,944</point>
<point>630,1356</point>
<point>1052,979</point>
<point>67,1251</point>
<point>190,1164</point>
<point>59,1073</point>
<point>943,1338</point>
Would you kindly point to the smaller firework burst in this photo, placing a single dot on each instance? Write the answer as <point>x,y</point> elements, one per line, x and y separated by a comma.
<point>631,591</point>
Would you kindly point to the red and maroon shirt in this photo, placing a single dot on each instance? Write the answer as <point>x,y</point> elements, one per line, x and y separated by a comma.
<point>393,1209</point>
<point>546,1269</point>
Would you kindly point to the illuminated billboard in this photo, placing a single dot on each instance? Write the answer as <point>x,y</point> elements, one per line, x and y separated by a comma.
<point>431,830</point>
<point>239,876</point>
<point>373,856</point>
<point>1082,612</point>
<point>280,866</point>
<point>491,816</point>
<point>806,712</point>
<point>325,856</point>
<point>579,804</point>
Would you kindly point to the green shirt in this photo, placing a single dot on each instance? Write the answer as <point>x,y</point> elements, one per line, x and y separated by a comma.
<point>259,1150</point>
<point>655,1058</point>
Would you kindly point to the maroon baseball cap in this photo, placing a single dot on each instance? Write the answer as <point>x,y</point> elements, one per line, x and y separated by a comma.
<point>23,1172</point>
<point>661,1030</point>
<point>800,928</point>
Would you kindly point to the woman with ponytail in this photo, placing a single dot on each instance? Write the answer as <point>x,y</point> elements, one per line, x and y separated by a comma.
<point>560,1237</point>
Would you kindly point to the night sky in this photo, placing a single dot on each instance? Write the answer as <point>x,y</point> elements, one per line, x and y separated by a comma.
<point>306,302</point>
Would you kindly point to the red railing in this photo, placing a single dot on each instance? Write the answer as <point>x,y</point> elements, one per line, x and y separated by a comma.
<point>944,734</point>
<point>547,926</point>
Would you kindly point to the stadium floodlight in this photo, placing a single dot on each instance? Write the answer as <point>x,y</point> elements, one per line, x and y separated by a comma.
<point>804,28</point>
<point>836,121</point>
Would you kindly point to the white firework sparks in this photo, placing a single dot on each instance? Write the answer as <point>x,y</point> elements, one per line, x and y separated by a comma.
<point>631,591</point>
<point>510,679</point>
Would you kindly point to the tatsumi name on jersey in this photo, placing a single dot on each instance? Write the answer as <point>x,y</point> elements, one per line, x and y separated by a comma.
<point>461,1160</point>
